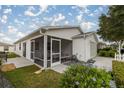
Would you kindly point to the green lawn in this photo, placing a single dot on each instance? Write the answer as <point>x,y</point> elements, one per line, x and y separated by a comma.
<point>26,78</point>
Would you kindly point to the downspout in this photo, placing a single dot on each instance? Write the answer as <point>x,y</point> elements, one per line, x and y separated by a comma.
<point>84,46</point>
<point>45,47</point>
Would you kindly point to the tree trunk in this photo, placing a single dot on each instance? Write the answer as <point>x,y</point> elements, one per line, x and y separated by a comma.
<point>119,48</point>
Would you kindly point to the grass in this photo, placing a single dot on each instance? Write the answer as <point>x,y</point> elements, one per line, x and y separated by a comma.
<point>118,71</point>
<point>26,78</point>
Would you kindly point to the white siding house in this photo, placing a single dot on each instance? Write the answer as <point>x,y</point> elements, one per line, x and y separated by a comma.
<point>6,47</point>
<point>85,46</point>
<point>50,46</point>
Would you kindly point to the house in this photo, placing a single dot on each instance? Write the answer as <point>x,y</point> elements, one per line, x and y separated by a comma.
<point>6,47</point>
<point>101,45</point>
<point>52,45</point>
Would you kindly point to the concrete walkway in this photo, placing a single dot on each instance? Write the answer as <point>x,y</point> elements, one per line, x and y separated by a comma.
<point>104,63</point>
<point>59,68</point>
<point>19,62</point>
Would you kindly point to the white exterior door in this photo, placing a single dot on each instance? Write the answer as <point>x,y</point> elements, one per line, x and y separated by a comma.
<point>55,51</point>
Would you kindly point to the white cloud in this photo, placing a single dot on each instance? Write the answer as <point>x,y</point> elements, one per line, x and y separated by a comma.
<point>74,7</point>
<point>5,38</point>
<point>66,22</point>
<point>43,7</point>
<point>34,26</point>
<point>81,8</point>
<point>20,34</point>
<point>4,19</point>
<point>19,22</point>
<point>70,14</point>
<point>57,18</point>
<point>87,26</point>
<point>12,29</point>
<point>100,9</point>
<point>79,18</point>
<point>53,7</point>
<point>6,11</point>
<point>91,14</point>
<point>31,8</point>
<point>29,11</point>
<point>47,18</point>
<point>1,34</point>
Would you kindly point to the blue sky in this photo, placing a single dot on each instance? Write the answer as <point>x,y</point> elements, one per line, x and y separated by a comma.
<point>18,21</point>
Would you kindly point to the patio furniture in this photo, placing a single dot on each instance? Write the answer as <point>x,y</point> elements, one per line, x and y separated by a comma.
<point>74,59</point>
<point>90,62</point>
<point>65,58</point>
<point>3,56</point>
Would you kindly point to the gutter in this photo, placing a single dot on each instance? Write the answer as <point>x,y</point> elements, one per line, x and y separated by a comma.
<point>85,46</point>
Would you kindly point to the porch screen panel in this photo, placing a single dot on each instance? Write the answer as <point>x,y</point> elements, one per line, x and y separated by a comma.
<point>55,46</point>
<point>56,58</point>
<point>32,49</point>
<point>39,48</point>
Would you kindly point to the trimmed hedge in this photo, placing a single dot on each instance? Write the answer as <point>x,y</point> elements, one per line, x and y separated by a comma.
<point>12,55</point>
<point>107,52</point>
<point>118,72</point>
<point>78,76</point>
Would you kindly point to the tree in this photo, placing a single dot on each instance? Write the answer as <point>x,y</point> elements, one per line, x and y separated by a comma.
<point>112,25</point>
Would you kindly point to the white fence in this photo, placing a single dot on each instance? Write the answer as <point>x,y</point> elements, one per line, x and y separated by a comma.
<point>119,57</point>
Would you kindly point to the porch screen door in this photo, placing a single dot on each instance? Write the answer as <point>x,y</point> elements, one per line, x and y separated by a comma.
<point>24,49</point>
<point>32,49</point>
<point>55,51</point>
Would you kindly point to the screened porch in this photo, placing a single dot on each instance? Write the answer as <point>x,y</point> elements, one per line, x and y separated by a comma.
<point>48,51</point>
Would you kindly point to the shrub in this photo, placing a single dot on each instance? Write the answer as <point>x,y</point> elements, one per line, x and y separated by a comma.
<point>12,55</point>
<point>78,76</point>
<point>109,53</point>
<point>118,72</point>
<point>107,49</point>
<point>102,53</point>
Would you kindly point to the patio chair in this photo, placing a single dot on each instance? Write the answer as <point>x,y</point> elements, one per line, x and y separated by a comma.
<point>74,59</point>
<point>3,56</point>
<point>90,62</point>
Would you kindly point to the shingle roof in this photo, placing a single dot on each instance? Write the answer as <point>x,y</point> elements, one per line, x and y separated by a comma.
<point>49,28</point>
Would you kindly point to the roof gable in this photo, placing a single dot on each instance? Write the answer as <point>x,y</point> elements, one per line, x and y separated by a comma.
<point>84,35</point>
<point>43,29</point>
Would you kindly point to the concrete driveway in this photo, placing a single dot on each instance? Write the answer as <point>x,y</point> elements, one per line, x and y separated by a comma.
<point>19,62</point>
<point>101,62</point>
<point>104,63</point>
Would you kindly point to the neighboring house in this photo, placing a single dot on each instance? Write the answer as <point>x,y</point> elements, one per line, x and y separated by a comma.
<point>49,46</point>
<point>6,47</point>
<point>101,45</point>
